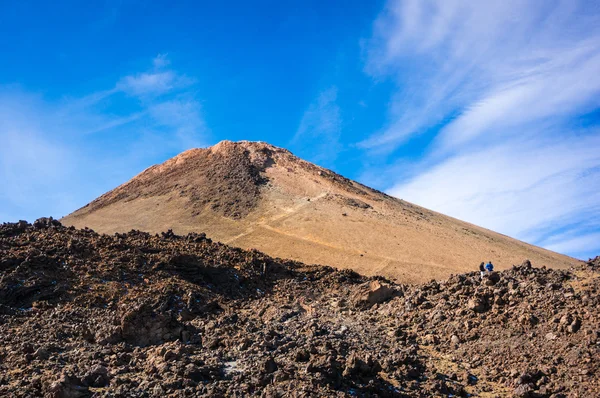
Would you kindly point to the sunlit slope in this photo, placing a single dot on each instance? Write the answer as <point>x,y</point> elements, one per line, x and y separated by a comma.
<point>254,195</point>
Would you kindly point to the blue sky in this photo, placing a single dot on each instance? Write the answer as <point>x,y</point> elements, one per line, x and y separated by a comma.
<point>486,111</point>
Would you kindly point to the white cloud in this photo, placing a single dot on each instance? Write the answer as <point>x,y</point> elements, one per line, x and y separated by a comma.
<point>112,123</point>
<point>579,245</point>
<point>33,165</point>
<point>514,188</point>
<point>55,156</point>
<point>182,116</point>
<point>167,103</point>
<point>157,82</point>
<point>161,61</point>
<point>487,59</point>
<point>148,83</point>
<point>320,127</point>
<point>563,89</point>
<point>507,80</point>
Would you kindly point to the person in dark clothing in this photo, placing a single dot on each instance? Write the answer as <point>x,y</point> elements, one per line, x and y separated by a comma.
<point>482,269</point>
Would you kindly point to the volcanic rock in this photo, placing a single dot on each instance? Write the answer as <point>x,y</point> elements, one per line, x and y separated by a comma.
<point>67,386</point>
<point>140,315</point>
<point>372,293</point>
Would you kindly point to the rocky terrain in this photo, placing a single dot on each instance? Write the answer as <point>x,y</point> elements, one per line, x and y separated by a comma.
<point>256,195</point>
<point>140,315</point>
<point>225,182</point>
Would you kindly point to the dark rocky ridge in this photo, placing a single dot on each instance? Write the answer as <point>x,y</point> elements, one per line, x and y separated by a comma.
<point>83,314</point>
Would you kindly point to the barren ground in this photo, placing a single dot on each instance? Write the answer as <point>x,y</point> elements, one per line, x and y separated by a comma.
<point>137,315</point>
<point>254,195</point>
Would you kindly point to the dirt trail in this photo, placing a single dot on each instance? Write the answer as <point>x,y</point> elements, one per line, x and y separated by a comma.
<point>287,212</point>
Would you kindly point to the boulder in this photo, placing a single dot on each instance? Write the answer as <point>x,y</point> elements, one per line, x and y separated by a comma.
<point>491,279</point>
<point>143,326</point>
<point>574,326</point>
<point>356,366</point>
<point>46,222</point>
<point>477,304</point>
<point>67,386</point>
<point>455,340</point>
<point>97,377</point>
<point>371,293</point>
<point>523,391</point>
<point>269,366</point>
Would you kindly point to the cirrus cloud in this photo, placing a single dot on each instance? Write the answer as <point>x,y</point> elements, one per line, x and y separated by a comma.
<point>509,90</point>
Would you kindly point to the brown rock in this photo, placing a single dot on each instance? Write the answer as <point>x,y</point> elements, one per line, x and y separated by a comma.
<point>372,293</point>
<point>491,279</point>
<point>455,340</point>
<point>269,366</point>
<point>67,386</point>
<point>477,304</point>
<point>97,377</point>
<point>523,391</point>
<point>574,326</point>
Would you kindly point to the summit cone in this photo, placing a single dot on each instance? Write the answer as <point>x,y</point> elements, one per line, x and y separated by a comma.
<point>256,195</point>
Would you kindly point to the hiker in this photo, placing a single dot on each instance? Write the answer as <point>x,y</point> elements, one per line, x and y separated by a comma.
<point>482,269</point>
<point>489,266</point>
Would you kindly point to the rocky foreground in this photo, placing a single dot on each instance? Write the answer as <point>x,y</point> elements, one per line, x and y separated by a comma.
<point>139,315</point>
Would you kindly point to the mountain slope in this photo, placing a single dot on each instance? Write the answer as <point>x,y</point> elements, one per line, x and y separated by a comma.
<point>255,195</point>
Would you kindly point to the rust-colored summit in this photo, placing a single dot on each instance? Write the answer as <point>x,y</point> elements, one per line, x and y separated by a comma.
<point>255,195</point>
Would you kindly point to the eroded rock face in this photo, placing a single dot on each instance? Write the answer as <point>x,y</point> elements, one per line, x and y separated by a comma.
<point>83,314</point>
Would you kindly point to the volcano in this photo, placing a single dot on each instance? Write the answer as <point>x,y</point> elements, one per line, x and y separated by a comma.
<point>254,195</point>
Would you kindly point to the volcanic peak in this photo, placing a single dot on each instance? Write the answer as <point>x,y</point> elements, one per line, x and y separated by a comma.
<point>225,178</point>
<point>256,195</point>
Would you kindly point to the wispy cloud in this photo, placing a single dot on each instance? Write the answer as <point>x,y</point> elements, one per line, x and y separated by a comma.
<point>515,188</point>
<point>580,245</point>
<point>320,128</point>
<point>507,81</point>
<point>182,116</point>
<point>71,150</point>
<point>147,83</point>
<point>166,104</point>
<point>161,61</point>
<point>33,161</point>
<point>156,82</point>
<point>485,60</point>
